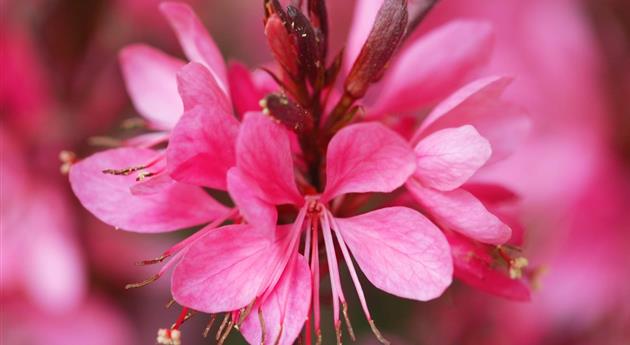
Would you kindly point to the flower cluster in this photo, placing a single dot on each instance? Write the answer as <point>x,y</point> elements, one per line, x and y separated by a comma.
<point>299,152</point>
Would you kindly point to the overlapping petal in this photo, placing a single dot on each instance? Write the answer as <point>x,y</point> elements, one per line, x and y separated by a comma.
<point>434,66</point>
<point>245,194</point>
<point>479,104</point>
<point>202,145</point>
<point>449,157</point>
<point>226,269</point>
<point>195,40</point>
<point>367,157</point>
<point>400,251</point>
<point>109,197</point>
<point>150,78</point>
<point>263,153</point>
<point>285,310</point>
<point>460,211</point>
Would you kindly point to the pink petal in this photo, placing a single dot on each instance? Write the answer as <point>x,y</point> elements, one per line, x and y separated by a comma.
<point>245,93</point>
<point>109,197</point>
<point>202,147</point>
<point>460,211</point>
<point>263,153</point>
<point>226,269</point>
<point>449,157</point>
<point>285,310</point>
<point>434,66</point>
<point>364,15</point>
<point>400,251</point>
<point>153,185</point>
<point>245,194</point>
<point>150,79</point>
<point>197,86</point>
<point>197,44</point>
<point>479,104</point>
<point>474,266</point>
<point>367,157</point>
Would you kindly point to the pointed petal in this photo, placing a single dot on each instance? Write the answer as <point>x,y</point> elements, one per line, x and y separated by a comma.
<point>474,266</point>
<point>367,157</point>
<point>460,211</point>
<point>479,103</point>
<point>202,147</point>
<point>150,78</point>
<point>245,194</point>
<point>245,93</point>
<point>226,269</point>
<point>400,251</point>
<point>449,157</point>
<point>285,310</point>
<point>263,153</point>
<point>197,44</point>
<point>197,86</point>
<point>434,66</point>
<point>110,199</point>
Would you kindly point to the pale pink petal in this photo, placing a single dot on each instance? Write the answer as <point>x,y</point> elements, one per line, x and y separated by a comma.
<point>367,157</point>
<point>197,44</point>
<point>245,194</point>
<point>460,211</point>
<point>400,251</point>
<point>197,86</point>
<point>449,157</point>
<point>285,310</point>
<point>202,147</point>
<point>226,269</point>
<point>479,103</point>
<point>263,153</point>
<point>364,15</point>
<point>110,199</point>
<point>150,77</point>
<point>434,66</point>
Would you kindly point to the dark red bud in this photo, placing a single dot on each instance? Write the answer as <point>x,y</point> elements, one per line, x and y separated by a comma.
<point>308,41</point>
<point>283,46</point>
<point>288,112</point>
<point>319,18</point>
<point>378,49</point>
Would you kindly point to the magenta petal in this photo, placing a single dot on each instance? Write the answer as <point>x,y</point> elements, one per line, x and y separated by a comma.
<point>150,77</point>
<point>197,86</point>
<point>479,103</point>
<point>263,153</point>
<point>226,269</point>
<point>245,194</point>
<point>197,44</point>
<point>400,251</point>
<point>110,199</point>
<point>435,66</point>
<point>153,185</point>
<point>460,211</point>
<point>245,94</point>
<point>449,157</point>
<point>285,309</point>
<point>202,147</point>
<point>367,157</point>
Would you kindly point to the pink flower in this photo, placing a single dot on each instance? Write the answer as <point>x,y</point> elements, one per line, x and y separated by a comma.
<point>258,264</point>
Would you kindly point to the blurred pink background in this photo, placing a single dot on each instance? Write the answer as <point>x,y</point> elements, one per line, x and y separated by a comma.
<point>63,272</point>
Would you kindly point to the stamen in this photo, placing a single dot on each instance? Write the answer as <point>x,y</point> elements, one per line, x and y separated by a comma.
<point>279,334</point>
<point>152,261</point>
<point>229,328</point>
<point>124,172</point>
<point>338,333</point>
<point>183,316</point>
<point>261,319</point>
<point>315,275</point>
<point>516,267</point>
<point>318,338</point>
<point>378,334</point>
<point>142,283</point>
<point>206,331</point>
<point>223,323</point>
<point>104,141</point>
<point>244,314</point>
<point>170,303</point>
<point>333,268</point>
<point>344,311</point>
<point>143,175</point>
